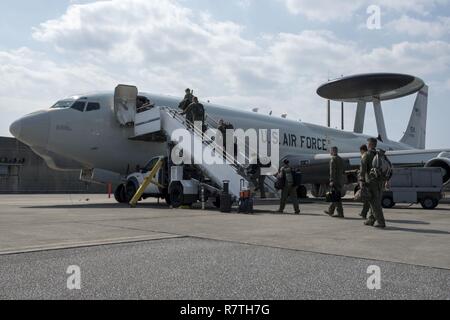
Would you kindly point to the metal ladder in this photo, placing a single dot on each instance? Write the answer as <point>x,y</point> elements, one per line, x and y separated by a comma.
<point>269,182</point>
<point>171,119</point>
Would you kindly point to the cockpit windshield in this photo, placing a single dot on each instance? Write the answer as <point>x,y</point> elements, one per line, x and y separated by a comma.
<point>63,104</point>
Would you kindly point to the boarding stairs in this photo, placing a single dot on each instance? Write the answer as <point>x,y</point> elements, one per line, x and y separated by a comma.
<point>269,182</point>
<point>160,121</point>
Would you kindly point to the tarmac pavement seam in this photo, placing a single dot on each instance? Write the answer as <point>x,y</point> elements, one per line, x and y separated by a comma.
<point>88,244</point>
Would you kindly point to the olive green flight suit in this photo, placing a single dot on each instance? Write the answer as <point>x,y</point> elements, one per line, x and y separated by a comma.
<point>366,204</point>
<point>337,178</point>
<point>195,112</point>
<point>188,98</point>
<point>288,190</point>
<point>374,187</point>
<point>366,209</point>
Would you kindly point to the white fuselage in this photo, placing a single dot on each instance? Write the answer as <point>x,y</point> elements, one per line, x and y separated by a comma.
<point>95,139</point>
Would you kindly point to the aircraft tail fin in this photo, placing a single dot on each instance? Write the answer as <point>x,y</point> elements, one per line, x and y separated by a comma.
<point>416,133</point>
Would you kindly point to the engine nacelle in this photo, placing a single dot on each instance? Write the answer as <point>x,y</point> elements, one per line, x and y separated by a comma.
<point>441,162</point>
<point>315,171</point>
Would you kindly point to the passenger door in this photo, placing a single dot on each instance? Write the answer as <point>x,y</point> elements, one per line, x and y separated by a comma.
<point>125,98</point>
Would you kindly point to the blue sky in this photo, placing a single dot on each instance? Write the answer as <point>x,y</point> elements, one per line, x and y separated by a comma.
<point>271,54</point>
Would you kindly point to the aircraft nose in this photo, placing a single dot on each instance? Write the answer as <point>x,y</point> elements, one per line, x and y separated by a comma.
<point>33,129</point>
<point>14,128</point>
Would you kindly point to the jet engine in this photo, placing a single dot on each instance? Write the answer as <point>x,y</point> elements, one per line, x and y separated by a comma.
<point>443,162</point>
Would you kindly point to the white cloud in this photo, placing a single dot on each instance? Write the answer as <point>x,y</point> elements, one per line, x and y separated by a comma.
<point>323,10</point>
<point>245,4</point>
<point>32,75</point>
<point>438,28</point>
<point>332,10</point>
<point>163,47</point>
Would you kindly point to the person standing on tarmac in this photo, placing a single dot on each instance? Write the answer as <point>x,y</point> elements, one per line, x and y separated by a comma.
<point>374,186</point>
<point>286,173</point>
<point>366,205</point>
<point>336,183</point>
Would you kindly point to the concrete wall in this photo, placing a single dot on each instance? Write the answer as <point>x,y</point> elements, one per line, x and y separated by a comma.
<point>34,176</point>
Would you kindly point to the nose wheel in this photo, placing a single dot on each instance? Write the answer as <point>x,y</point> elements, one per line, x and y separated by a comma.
<point>120,194</point>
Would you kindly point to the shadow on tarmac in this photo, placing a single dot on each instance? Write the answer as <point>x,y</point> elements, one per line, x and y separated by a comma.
<point>417,230</point>
<point>408,222</point>
<point>100,206</point>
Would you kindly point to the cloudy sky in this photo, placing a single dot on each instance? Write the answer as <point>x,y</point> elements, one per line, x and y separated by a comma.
<point>271,54</point>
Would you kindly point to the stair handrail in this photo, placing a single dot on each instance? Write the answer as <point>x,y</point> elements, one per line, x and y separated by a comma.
<point>239,169</point>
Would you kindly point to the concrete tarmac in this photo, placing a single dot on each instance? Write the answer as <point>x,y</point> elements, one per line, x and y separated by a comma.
<point>154,252</point>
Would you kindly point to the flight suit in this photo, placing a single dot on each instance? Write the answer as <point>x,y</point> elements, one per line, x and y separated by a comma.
<point>337,178</point>
<point>366,208</point>
<point>288,190</point>
<point>186,101</point>
<point>195,112</point>
<point>189,97</point>
<point>374,187</point>
<point>257,179</point>
<point>199,112</point>
<point>223,128</point>
<point>366,204</point>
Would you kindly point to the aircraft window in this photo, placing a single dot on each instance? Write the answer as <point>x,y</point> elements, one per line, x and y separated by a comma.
<point>79,105</point>
<point>93,106</point>
<point>63,104</point>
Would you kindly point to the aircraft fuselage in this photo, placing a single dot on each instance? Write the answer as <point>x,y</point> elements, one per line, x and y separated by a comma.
<point>71,139</point>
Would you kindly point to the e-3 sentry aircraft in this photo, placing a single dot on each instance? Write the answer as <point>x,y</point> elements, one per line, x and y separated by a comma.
<point>85,132</point>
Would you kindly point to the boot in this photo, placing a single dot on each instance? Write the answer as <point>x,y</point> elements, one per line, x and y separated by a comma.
<point>380,225</point>
<point>328,213</point>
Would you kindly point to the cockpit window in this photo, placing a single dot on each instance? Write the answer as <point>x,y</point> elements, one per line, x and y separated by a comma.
<point>92,106</point>
<point>63,104</point>
<point>79,105</point>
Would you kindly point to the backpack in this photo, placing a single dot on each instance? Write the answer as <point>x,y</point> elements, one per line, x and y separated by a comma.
<point>381,166</point>
<point>280,182</point>
<point>333,196</point>
<point>297,175</point>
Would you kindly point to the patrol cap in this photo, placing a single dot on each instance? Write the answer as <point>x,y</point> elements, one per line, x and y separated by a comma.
<point>286,161</point>
<point>187,90</point>
<point>372,140</point>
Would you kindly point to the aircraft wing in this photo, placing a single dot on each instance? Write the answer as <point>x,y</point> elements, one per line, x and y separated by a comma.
<point>403,158</point>
<point>316,167</point>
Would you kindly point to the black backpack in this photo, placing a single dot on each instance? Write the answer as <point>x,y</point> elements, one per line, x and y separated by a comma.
<point>297,177</point>
<point>280,183</point>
